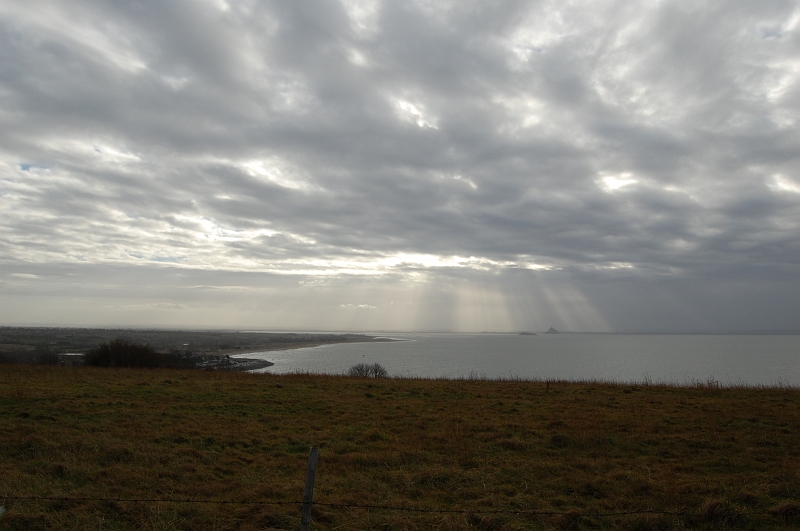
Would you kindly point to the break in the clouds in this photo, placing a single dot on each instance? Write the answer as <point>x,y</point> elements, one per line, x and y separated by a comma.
<point>368,164</point>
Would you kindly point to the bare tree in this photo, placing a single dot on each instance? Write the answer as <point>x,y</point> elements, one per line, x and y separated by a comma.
<point>366,370</point>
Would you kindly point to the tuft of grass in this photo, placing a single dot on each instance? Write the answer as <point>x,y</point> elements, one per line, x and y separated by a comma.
<point>698,456</point>
<point>720,513</point>
<point>787,513</point>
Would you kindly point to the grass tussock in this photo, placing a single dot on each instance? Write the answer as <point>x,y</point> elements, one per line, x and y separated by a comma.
<point>695,457</point>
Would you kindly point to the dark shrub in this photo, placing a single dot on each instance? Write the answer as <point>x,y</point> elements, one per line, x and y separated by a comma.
<point>365,370</point>
<point>46,357</point>
<point>178,360</point>
<point>123,353</point>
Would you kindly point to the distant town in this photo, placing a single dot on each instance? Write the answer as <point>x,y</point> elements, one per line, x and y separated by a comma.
<point>199,349</point>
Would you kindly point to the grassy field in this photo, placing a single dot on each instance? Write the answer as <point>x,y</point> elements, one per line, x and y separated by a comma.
<point>492,452</point>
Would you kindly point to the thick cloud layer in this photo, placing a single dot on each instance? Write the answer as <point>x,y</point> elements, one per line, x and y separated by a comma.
<point>401,165</point>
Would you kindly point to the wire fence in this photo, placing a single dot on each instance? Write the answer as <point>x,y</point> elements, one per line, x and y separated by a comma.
<point>718,512</point>
<point>382,507</point>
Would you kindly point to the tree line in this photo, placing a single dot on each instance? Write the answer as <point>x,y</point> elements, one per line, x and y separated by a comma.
<point>123,353</point>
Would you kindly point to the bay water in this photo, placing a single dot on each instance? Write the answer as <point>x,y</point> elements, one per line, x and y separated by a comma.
<point>677,359</point>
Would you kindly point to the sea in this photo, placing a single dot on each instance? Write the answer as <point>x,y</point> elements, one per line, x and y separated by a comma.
<point>724,360</point>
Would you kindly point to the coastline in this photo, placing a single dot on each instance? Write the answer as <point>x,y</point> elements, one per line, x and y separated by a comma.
<point>232,361</point>
<point>248,364</point>
<point>310,344</point>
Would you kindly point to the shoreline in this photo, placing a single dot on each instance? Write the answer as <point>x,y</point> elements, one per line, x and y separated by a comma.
<point>248,364</point>
<point>311,344</point>
<point>232,361</point>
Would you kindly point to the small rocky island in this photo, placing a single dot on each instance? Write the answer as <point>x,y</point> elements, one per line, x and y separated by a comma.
<point>552,331</point>
<point>527,334</point>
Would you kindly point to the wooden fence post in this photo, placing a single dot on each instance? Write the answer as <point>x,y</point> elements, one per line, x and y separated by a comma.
<point>308,495</point>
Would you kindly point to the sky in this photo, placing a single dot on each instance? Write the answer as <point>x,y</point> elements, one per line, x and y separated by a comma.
<point>409,165</point>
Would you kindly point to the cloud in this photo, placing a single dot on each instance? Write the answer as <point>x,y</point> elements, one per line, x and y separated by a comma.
<point>611,183</point>
<point>406,142</point>
<point>780,183</point>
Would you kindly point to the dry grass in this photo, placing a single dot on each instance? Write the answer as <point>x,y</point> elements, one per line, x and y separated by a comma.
<point>573,448</point>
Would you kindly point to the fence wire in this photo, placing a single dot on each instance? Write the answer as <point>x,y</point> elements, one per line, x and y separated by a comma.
<point>383,507</point>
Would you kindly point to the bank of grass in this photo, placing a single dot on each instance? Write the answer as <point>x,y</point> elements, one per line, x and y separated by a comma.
<point>723,457</point>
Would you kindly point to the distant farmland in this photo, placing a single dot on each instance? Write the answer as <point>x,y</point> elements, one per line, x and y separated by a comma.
<point>31,344</point>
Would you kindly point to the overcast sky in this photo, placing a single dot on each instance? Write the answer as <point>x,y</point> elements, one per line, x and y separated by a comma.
<point>401,165</point>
